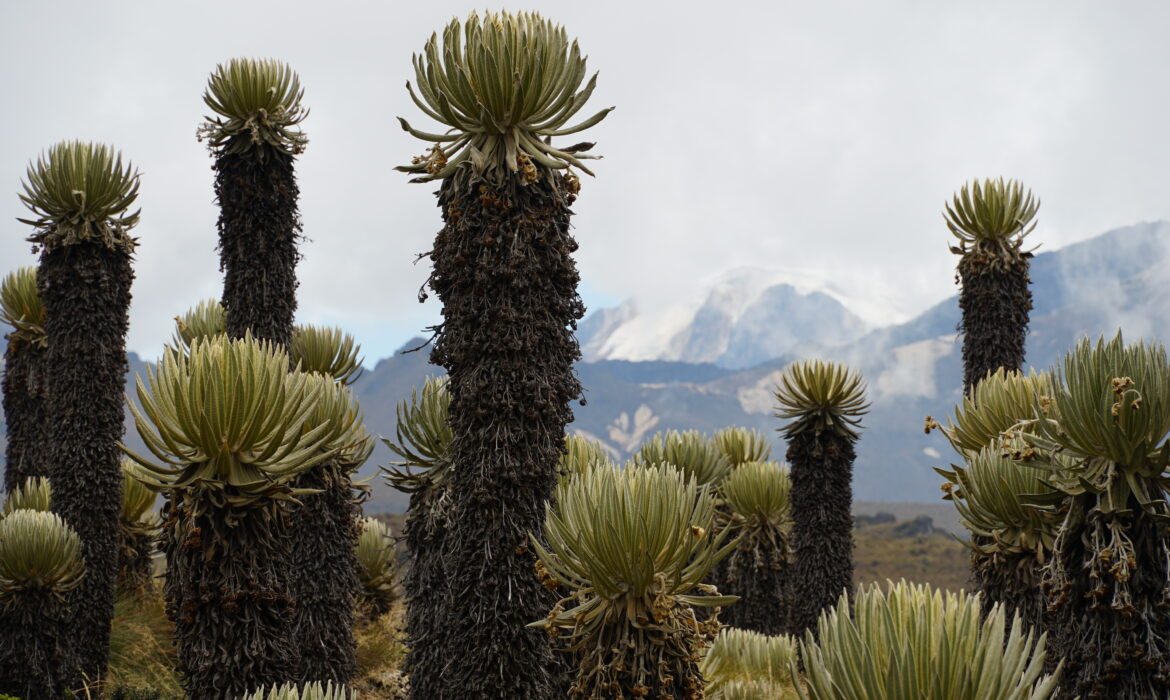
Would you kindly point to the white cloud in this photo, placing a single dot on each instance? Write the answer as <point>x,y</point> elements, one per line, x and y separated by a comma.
<point>821,137</point>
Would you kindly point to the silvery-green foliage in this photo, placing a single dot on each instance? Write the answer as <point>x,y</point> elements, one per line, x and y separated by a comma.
<point>581,455</point>
<point>423,438</point>
<point>307,691</point>
<point>1001,401</point>
<point>633,546</point>
<point>206,319</point>
<point>259,99</point>
<point>740,662</point>
<point>326,350</point>
<point>377,566</point>
<point>818,396</point>
<point>991,218</point>
<point>915,642</point>
<point>229,413</point>
<point>21,306</point>
<point>38,551</point>
<point>740,445</point>
<point>504,85</point>
<point>33,494</point>
<point>80,192</point>
<point>689,451</point>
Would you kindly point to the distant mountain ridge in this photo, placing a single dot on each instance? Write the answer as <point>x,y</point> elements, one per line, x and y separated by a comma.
<point>745,317</point>
<point>1120,279</point>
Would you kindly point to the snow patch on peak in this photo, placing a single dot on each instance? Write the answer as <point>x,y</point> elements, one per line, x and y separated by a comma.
<point>737,318</point>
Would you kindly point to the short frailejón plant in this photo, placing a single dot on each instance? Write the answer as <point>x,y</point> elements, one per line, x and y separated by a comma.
<point>504,85</point>
<point>742,663</point>
<point>34,494</point>
<point>40,562</point>
<point>377,569</point>
<point>740,445</point>
<point>756,496</point>
<point>1012,513</point>
<point>690,451</point>
<point>326,350</point>
<point>990,221</point>
<point>254,136</point>
<point>226,424</point>
<point>79,195</point>
<point>824,402</point>
<point>581,455</point>
<point>915,642</point>
<point>633,547</point>
<point>307,691</point>
<point>138,530</point>
<point>1010,538</point>
<point>423,444</point>
<point>1107,444</point>
<point>204,320</point>
<point>23,381</point>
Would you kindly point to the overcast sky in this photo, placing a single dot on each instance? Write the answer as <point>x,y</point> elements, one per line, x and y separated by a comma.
<point>819,137</point>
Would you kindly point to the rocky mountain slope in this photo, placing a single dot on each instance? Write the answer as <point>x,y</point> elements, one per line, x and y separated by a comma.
<point>728,354</point>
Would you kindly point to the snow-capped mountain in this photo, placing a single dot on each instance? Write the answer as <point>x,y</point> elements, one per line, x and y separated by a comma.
<point>742,318</point>
<point>1119,280</point>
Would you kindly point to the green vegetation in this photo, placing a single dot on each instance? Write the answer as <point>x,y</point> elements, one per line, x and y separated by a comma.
<point>1011,537</point>
<point>581,455</point>
<point>79,194</point>
<point>739,446</point>
<point>756,495</point>
<point>690,451</point>
<point>504,85</point>
<point>40,562</point>
<point>505,88</point>
<point>323,578</point>
<point>824,402</point>
<point>633,547</point>
<point>34,494</point>
<point>521,538</point>
<point>377,569</point>
<point>329,351</point>
<point>1106,446</point>
<point>746,664</point>
<point>254,137</point>
<point>307,691</point>
<point>952,651</point>
<point>21,308</point>
<point>990,221</point>
<point>229,426</point>
<point>138,530</point>
<point>204,320</point>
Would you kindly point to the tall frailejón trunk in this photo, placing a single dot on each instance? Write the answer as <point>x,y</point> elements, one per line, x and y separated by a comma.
<point>504,272</point>
<point>822,524</point>
<point>86,292</point>
<point>231,596</point>
<point>258,232</point>
<point>995,301</point>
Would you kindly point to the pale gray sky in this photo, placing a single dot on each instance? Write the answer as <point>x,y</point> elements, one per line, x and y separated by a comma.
<point>820,137</point>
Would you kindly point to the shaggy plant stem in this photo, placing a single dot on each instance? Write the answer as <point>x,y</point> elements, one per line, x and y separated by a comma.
<point>822,529</point>
<point>86,291</point>
<point>232,614</point>
<point>24,412</point>
<point>503,271</point>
